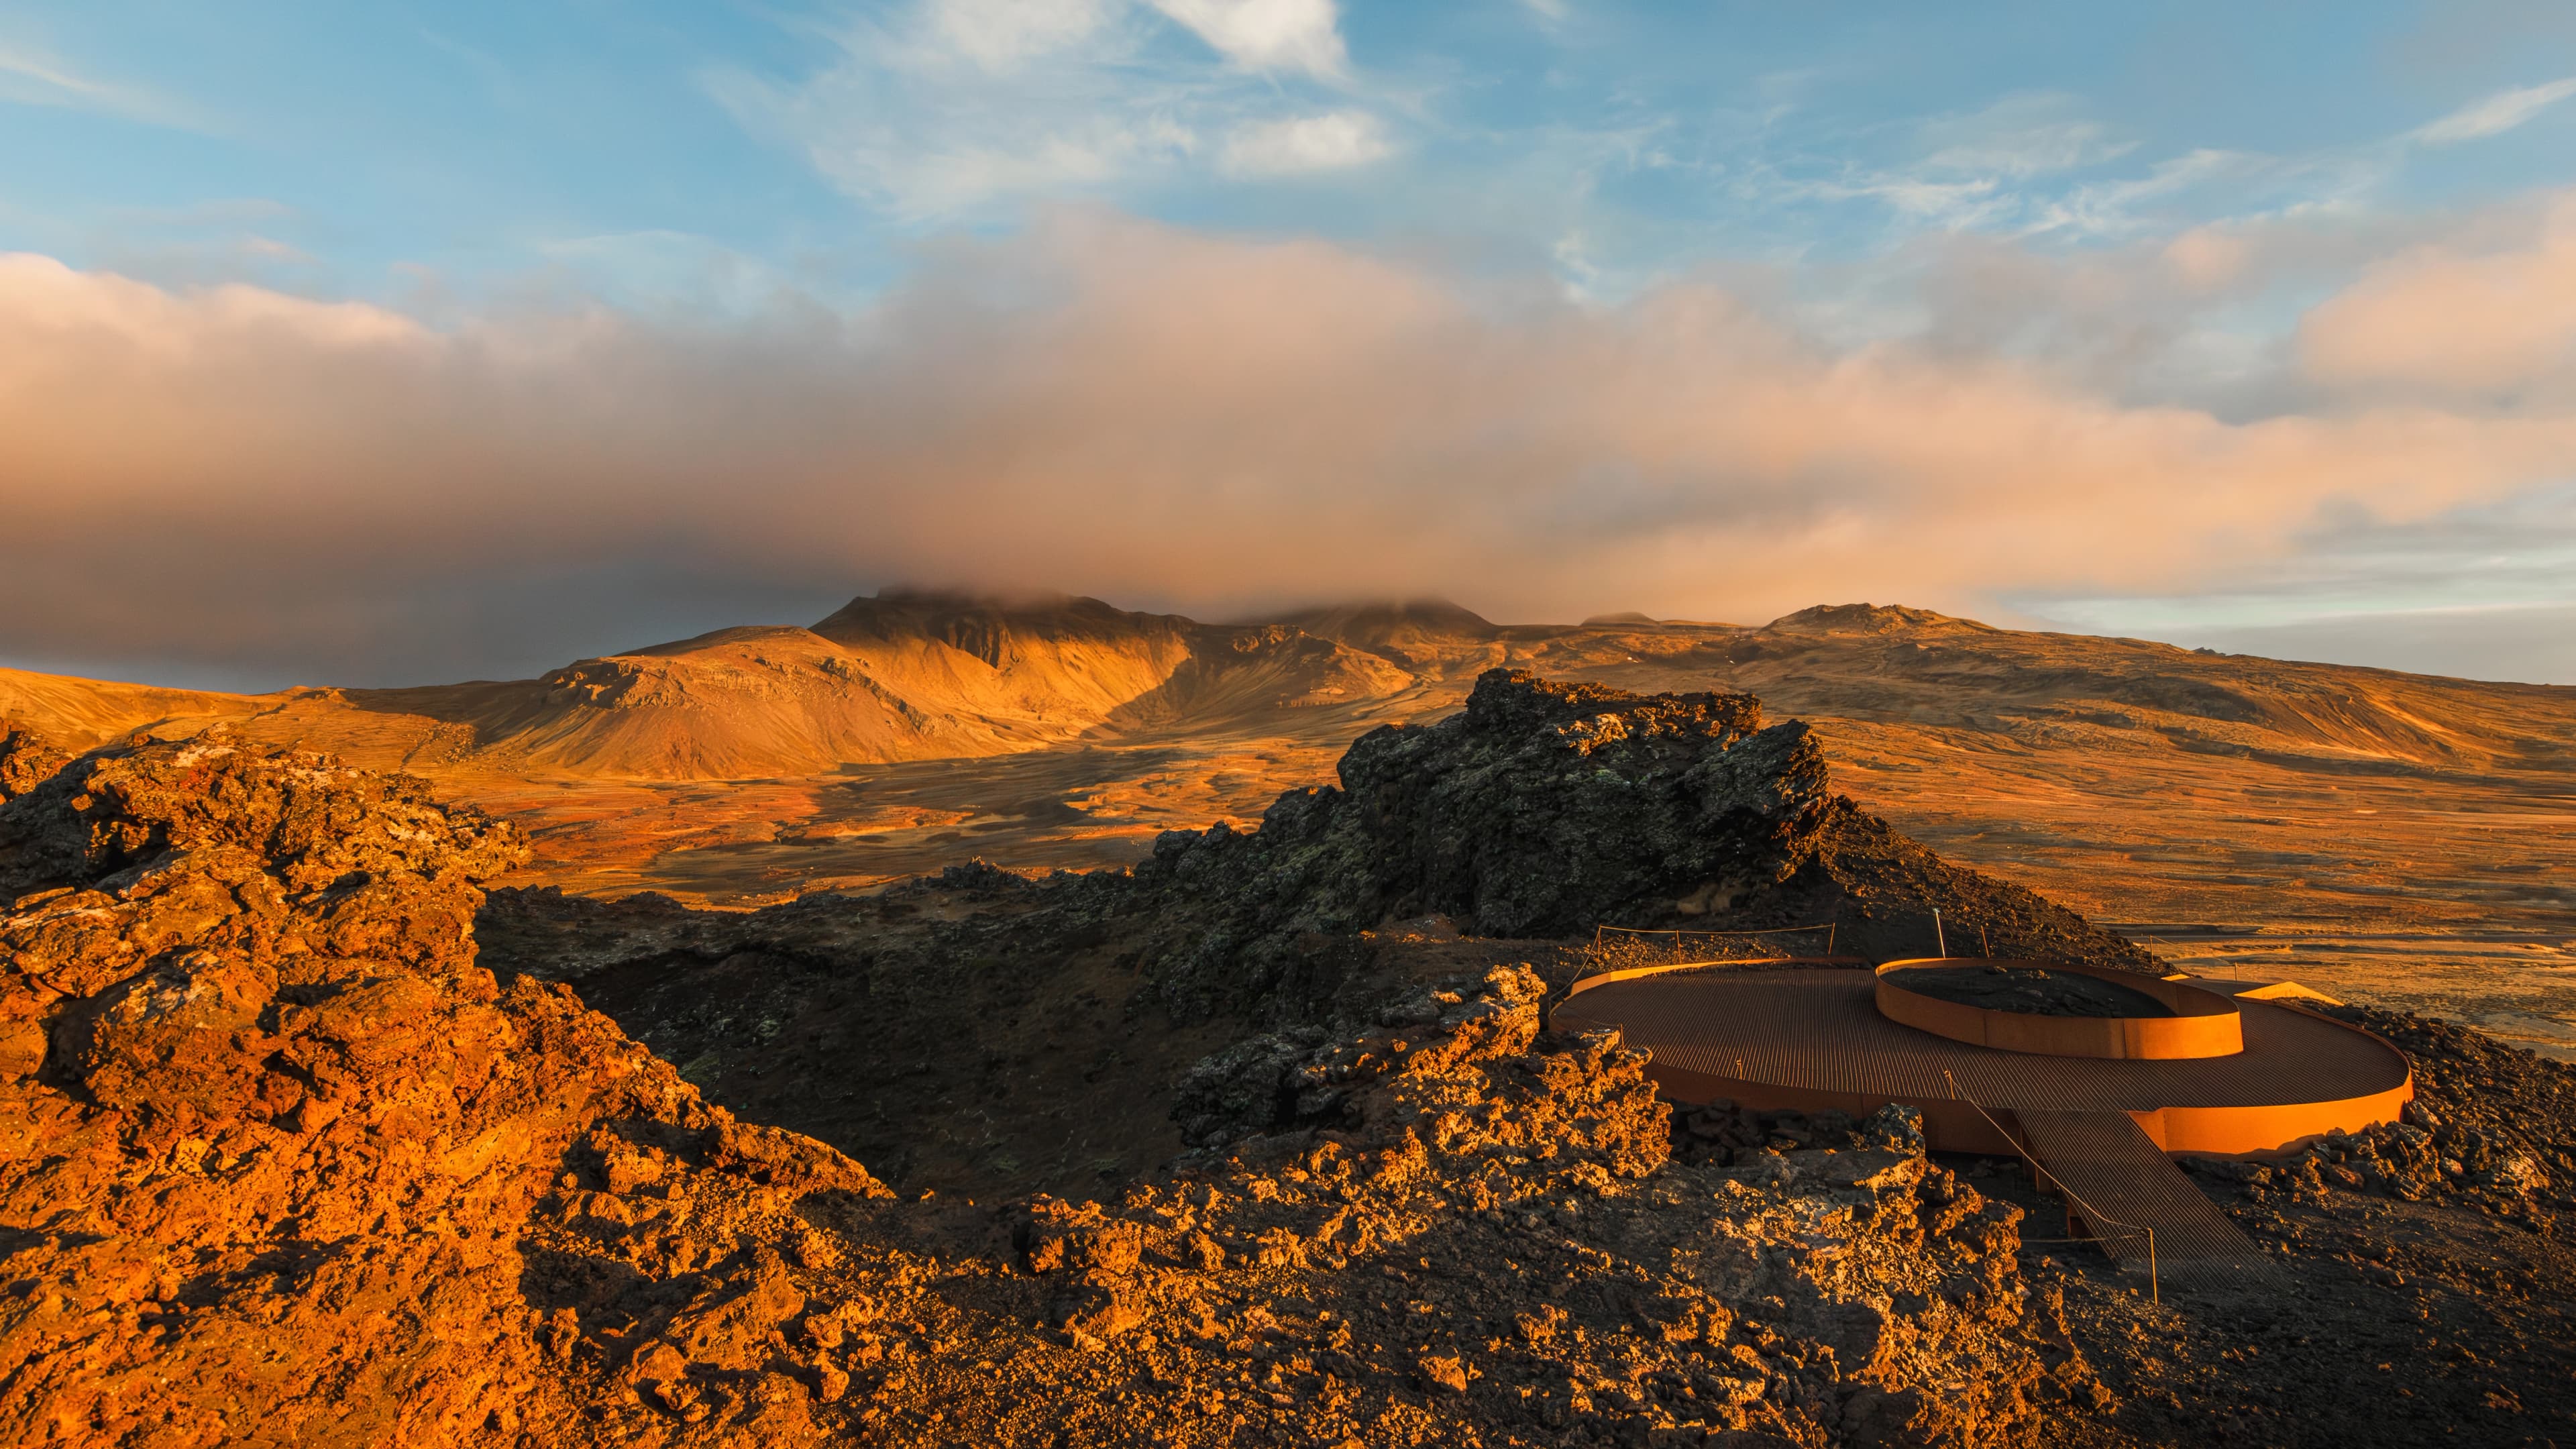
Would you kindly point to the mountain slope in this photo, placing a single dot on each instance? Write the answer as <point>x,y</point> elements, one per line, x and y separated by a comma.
<point>917,676</point>
<point>902,676</point>
<point>1407,632</point>
<point>737,703</point>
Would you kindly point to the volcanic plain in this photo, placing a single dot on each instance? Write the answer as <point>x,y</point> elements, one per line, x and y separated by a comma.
<point>2397,839</point>
<point>1040,1025</point>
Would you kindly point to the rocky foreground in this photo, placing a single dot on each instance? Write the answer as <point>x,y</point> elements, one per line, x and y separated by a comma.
<point>306,1139</point>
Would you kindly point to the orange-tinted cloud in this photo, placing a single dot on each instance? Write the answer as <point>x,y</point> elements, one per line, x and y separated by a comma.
<point>2449,320</point>
<point>1118,408</point>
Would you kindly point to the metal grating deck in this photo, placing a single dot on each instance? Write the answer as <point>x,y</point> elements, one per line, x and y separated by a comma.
<point>1820,1029</point>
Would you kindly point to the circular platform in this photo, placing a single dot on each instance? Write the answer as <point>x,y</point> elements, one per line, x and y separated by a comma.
<point>1813,1037</point>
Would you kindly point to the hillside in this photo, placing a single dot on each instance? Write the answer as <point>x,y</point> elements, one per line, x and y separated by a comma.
<point>85,712</point>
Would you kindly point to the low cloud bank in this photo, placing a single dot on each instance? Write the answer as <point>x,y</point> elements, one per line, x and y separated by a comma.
<point>234,478</point>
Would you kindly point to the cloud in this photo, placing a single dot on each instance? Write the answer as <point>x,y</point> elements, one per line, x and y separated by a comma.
<point>959,108</point>
<point>2437,318</point>
<point>2019,167</point>
<point>2496,114</point>
<point>33,78</point>
<point>2111,208</point>
<point>1004,35</point>
<point>2020,136</point>
<point>1294,35</point>
<point>959,104</point>
<point>1116,407</point>
<point>2520,643</point>
<point>2482,592</point>
<point>1328,142</point>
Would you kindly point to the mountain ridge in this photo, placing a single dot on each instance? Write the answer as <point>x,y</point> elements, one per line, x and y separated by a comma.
<point>922,674</point>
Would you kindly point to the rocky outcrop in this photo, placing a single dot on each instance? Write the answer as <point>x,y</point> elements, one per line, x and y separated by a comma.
<point>27,759</point>
<point>1310,1075</point>
<point>1539,810</point>
<point>278,1161</point>
<point>1547,809</point>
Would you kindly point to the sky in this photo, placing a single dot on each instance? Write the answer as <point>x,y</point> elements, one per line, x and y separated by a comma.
<point>403,343</point>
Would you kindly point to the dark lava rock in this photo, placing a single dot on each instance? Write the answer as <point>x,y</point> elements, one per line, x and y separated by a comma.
<point>2492,1127</point>
<point>1546,810</point>
<point>2035,991</point>
<point>1540,810</point>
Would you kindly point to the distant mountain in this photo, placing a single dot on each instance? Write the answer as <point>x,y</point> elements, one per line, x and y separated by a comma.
<point>916,675</point>
<point>1403,630</point>
<point>1866,619</point>
<point>899,676</point>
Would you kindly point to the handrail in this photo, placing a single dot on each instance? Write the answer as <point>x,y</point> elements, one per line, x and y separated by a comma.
<point>1828,927</point>
<point>2092,1214</point>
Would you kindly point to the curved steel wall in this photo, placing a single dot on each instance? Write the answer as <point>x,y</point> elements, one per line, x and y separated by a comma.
<point>2203,1024</point>
<point>1809,1038</point>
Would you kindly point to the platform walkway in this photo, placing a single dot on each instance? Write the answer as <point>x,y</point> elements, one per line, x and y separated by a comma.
<point>2104,1162</point>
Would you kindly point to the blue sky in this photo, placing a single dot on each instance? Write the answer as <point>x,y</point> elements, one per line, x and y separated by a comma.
<point>2215,224</point>
<point>671,152</point>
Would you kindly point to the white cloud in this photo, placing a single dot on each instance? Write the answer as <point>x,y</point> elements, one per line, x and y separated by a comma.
<point>2109,208</point>
<point>664,272</point>
<point>1327,142</point>
<point>1002,35</point>
<point>270,249</point>
<point>2020,136</point>
<point>2496,114</point>
<point>2206,258</point>
<point>33,78</point>
<point>1293,35</point>
<point>2004,168</point>
<point>1949,203</point>
<point>955,108</point>
<point>966,103</point>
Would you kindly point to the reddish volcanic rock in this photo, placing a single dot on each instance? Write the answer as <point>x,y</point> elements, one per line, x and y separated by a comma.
<point>274,1151</point>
